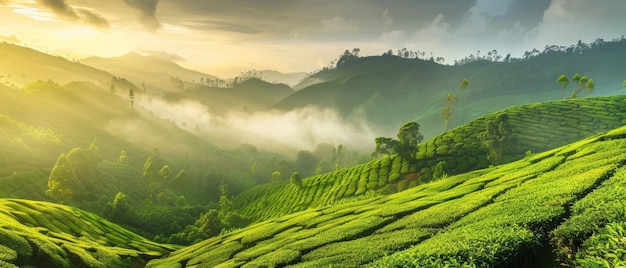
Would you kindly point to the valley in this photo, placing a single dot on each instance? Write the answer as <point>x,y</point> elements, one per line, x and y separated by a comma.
<point>135,161</point>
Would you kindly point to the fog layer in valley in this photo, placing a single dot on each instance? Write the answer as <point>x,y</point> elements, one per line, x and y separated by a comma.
<point>279,131</point>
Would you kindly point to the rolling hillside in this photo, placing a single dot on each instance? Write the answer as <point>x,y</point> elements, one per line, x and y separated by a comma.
<point>249,96</point>
<point>565,201</point>
<point>41,234</point>
<point>391,90</point>
<point>537,127</point>
<point>20,66</point>
<point>151,70</point>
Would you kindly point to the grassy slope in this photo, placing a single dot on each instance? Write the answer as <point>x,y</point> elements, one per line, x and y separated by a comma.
<point>20,65</point>
<point>153,71</point>
<point>501,216</point>
<point>36,233</point>
<point>392,90</point>
<point>538,127</point>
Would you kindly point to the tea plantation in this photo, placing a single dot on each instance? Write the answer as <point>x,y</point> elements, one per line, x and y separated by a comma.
<point>536,127</point>
<point>566,200</point>
<point>42,234</point>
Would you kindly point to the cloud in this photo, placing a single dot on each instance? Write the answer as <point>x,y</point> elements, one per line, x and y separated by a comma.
<point>566,22</point>
<point>147,8</point>
<point>212,25</point>
<point>339,25</point>
<point>60,8</point>
<point>387,20</point>
<point>10,38</point>
<point>93,18</point>
<point>66,11</point>
<point>284,132</point>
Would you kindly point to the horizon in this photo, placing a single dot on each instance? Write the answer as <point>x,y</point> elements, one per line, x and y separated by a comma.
<point>289,37</point>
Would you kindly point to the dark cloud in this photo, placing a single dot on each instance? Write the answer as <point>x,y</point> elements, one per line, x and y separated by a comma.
<point>10,38</point>
<point>93,18</point>
<point>341,19</point>
<point>60,8</point>
<point>147,8</point>
<point>526,14</point>
<point>66,11</point>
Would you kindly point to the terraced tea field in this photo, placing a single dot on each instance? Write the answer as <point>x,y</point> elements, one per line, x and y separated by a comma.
<point>42,234</point>
<point>537,128</point>
<point>496,217</point>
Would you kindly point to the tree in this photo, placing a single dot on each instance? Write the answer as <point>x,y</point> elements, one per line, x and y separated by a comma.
<point>122,158</point>
<point>62,183</point>
<point>131,98</point>
<point>497,137</point>
<point>119,207</point>
<point>112,89</point>
<point>276,176</point>
<point>226,205</point>
<point>590,87</point>
<point>295,179</point>
<point>624,84</point>
<point>385,145</point>
<point>409,137</point>
<point>564,83</point>
<point>448,108</point>
<point>464,84</point>
<point>576,78</point>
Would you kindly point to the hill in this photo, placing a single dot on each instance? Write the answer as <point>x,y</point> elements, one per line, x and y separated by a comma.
<point>21,65</point>
<point>536,127</point>
<point>156,73</point>
<point>566,201</point>
<point>45,234</point>
<point>44,120</point>
<point>251,95</point>
<point>276,77</point>
<point>392,90</point>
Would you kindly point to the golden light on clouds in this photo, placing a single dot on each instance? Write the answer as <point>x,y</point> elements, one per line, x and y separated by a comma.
<point>33,13</point>
<point>225,37</point>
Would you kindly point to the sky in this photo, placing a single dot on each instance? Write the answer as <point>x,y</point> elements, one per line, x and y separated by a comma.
<point>225,37</point>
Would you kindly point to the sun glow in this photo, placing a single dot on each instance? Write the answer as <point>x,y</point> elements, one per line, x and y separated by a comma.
<point>33,13</point>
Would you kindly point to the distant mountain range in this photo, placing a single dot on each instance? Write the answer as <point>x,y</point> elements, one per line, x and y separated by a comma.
<point>391,90</point>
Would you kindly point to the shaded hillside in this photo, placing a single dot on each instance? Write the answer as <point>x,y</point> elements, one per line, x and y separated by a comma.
<point>536,127</point>
<point>109,120</point>
<point>42,234</point>
<point>252,95</point>
<point>155,72</point>
<point>392,90</point>
<point>20,65</point>
<point>497,217</point>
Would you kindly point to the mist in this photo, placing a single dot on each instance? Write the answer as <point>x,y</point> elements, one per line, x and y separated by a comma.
<point>285,132</point>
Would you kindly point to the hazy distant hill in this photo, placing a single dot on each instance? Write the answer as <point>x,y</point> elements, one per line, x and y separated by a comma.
<point>155,72</point>
<point>290,79</point>
<point>251,95</point>
<point>20,65</point>
<point>391,90</point>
